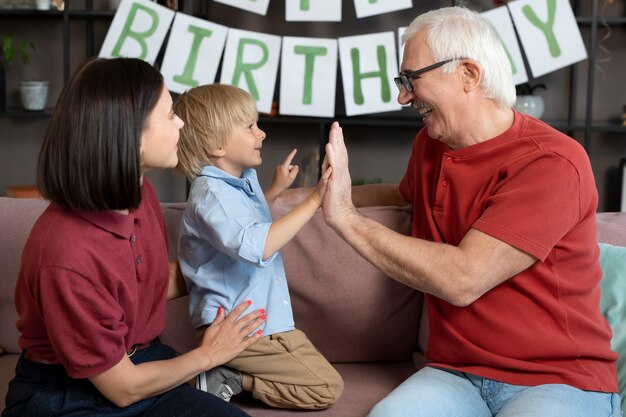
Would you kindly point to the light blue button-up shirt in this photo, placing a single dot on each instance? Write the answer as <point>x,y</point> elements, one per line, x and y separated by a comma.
<point>221,242</point>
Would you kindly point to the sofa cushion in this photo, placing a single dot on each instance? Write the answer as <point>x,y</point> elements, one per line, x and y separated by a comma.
<point>611,227</point>
<point>7,372</point>
<point>17,216</point>
<point>347,307</point>
<point>172,213</point>
<point>613,304</point>
<point>365,384</point>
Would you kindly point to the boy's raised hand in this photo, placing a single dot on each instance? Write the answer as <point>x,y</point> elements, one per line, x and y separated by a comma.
<point>322,184</point>
<point>284,175</point>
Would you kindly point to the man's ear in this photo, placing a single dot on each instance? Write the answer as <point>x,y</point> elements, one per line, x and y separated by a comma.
<point>472,74</point>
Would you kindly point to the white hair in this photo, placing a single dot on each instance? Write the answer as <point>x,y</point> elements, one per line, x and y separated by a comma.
<point>457,32</point>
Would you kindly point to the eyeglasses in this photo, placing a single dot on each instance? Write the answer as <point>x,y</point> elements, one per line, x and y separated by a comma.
<point>405,79</point>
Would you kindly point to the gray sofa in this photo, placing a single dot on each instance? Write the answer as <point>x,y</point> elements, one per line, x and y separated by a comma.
<point>366,324</point>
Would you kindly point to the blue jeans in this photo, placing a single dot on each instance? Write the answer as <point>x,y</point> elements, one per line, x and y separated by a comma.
<point>433,392</point>
<point>40,390</point>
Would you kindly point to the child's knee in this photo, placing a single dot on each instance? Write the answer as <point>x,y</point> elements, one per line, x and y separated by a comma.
<point>327,396</point>
<point>335,388</point>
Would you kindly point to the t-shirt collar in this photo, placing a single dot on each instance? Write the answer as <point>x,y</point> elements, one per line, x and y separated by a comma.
<point>515,131</point>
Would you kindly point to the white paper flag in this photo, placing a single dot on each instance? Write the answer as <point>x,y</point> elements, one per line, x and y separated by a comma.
<point>251,63</point>
<point>313,10</point>
<point>400,46</point>
<point>549,34</point>
<point>365,8</point>
<point>501,21</point>
<point>137,30</point>
<point>368,65</point>
<point>308,77</point>
<point>193,52</point>
<point>254,6</point>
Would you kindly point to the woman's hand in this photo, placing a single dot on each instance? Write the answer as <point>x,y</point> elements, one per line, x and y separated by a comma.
<point>126,383</point>
<point>231,334</point>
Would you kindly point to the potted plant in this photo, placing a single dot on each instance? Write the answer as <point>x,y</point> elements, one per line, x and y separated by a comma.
<point>527,102</point>
<point>34,94</point>
<point>10,50</point>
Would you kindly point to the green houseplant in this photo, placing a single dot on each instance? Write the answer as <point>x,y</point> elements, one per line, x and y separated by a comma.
<point>33,93</point>
<point>10,50</point>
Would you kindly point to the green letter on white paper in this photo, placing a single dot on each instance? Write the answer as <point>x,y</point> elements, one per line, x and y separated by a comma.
<point>138,36</point>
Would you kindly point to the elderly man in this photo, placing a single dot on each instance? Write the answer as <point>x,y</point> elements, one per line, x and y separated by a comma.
<point>503,239</point>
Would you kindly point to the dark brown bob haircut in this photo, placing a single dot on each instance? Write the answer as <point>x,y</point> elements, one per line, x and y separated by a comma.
<point>90,156</point>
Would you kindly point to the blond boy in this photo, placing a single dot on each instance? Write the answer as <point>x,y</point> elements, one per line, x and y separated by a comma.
<point>228,250</point>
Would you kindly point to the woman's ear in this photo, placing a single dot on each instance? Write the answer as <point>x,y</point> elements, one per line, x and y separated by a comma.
<point>141,153</point>
<point>472,74</point>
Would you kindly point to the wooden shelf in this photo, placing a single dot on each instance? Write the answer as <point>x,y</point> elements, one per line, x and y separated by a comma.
<point>579,126</point>
<point>19,113</point>
<point>30,12</point>
<point>74,13</point>
<point>397,121</point>
<point>610,21</point>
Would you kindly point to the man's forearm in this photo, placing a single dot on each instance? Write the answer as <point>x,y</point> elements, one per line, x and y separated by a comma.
<point>423,265</point>
<point>457,274</point>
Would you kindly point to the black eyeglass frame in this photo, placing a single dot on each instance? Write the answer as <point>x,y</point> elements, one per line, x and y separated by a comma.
<point>405,79</point>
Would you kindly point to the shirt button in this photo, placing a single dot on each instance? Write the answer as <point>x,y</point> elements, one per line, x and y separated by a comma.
<point>444,183</point>
<point>133,238</point>
<point>279,278</point>
<point>449,159</point>
<point>285,302</point>
<point>138,260</point>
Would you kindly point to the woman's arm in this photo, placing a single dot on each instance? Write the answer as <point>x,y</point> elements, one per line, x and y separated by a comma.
<point>127,383</point>
<point>176,287</point>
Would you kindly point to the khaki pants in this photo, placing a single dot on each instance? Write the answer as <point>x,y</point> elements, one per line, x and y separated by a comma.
<point>285,370</point>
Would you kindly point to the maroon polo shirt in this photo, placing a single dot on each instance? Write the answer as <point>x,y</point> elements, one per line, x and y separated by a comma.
<point>92,284</point>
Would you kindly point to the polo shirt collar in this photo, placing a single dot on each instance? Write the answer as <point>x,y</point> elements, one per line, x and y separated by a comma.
<point>248,177</point>
<point>113,222</point>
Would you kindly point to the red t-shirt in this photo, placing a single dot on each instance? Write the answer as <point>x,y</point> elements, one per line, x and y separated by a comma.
<point>533,188</point>
<point>92,284</point>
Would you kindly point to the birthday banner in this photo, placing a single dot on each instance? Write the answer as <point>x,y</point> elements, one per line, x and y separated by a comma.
<point>547,30</point>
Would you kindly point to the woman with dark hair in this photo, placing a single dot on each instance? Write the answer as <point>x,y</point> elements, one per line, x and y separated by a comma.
<point>91,294</point>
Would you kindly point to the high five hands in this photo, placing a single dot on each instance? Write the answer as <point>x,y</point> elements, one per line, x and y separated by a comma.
<point>338,197</point>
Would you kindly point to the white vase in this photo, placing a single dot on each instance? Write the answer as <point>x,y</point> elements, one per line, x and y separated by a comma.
<point>529,104</point>
<point>43,4</point>
<point>34,94</point>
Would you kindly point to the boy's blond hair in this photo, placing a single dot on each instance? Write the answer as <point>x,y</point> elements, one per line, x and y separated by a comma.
<point>210,113</point>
